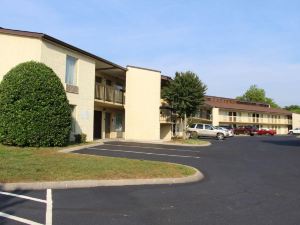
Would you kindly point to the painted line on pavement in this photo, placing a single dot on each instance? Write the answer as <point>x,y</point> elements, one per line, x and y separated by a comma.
<point>19,219</point>
<point>49,207</point>
<point>23,196</point>
<point>48,202</point>
<point>169,149</point>
<point>144,153</point>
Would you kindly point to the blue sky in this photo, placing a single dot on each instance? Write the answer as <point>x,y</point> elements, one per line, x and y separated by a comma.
<point>230,44</point>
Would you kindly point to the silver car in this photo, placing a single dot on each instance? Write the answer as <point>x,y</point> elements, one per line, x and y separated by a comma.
<point>230,132</point>
<point>206,130</point>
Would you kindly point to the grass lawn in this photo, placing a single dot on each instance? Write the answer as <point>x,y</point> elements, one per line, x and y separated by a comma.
<point>47,164</point>
<point>190,141</point>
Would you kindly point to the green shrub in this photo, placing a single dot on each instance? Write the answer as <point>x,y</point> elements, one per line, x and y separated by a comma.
<point>80,138</point>
<point>34,109</point>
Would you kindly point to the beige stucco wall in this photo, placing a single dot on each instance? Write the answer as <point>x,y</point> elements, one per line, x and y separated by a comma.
<point>55,57</point>
<point>15,50</point>
<point>296,120</point>
<point>215,116</point>
<point>142,104</point>
<point>166,132</point>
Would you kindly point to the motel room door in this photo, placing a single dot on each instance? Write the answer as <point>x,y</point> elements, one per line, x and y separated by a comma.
<point>107,124</point>
<point>97,124</point>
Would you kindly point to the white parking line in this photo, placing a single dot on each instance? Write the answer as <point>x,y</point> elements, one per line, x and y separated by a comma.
<point>19,219</point>
<point>169,149</point>
<point>49,207</point>
<point>48,202</point>
<point>145,153</point>
<point>23,196</point>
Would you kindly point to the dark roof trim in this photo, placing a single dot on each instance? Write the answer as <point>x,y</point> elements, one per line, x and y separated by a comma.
<point>237,100</point>
<point>143,68</point>
<point>52,39</point>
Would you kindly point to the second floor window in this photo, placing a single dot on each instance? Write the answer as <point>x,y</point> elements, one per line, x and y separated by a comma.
<point>71,70</point>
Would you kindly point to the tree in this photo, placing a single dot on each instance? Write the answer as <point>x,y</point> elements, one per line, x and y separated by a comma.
<point>293,108</point>
<point>185,94</point>
<point>34,109</point>
<point>256,94</point>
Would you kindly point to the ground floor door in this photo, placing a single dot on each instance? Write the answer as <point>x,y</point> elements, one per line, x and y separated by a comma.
<point>97,124</point>
<point>107,124</point>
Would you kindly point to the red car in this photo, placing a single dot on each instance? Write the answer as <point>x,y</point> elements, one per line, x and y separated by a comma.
<point>249,130</point>
<point>266,132</point>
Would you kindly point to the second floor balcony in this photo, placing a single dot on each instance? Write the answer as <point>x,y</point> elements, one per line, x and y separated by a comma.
<point>165,115</point>
<point>255,120</point>
<point>109,94</point>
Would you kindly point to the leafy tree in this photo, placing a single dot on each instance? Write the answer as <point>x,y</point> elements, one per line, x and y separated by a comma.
<point>185,93</point>
<point>34,109</point>
<point>256,94</point>
<point>293,108</point>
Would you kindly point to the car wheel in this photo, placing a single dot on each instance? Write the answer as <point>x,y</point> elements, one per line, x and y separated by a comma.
<point>291,132</point>
<point>220,136</point>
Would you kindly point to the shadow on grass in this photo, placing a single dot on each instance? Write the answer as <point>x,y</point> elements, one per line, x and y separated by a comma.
<point>8,202</point>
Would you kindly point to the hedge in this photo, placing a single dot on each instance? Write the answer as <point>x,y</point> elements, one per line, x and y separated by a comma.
<point>34,109</point>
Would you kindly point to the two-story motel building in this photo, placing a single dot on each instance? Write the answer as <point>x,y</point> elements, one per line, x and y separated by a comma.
<point>220,111</point>
<point>110,101</point>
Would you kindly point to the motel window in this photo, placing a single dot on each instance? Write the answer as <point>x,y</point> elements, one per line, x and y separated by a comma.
<point>73,125</point>
<point>71,70</point>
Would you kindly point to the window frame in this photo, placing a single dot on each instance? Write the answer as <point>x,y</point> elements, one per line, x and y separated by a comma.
<point>75,71</point>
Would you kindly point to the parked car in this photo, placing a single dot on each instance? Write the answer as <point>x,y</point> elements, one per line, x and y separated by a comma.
<point>266,131</point>
<point>295,131</point>
<point>248,130</point>
<point>206,130</point>
<point>228,130</point>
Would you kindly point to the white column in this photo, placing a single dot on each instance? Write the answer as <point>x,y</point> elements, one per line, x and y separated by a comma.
<point>215,116</point>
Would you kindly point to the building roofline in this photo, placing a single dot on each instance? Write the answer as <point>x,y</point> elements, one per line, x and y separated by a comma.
<point>43,36</point>
<point>143,68</point>
<point>211,96</point>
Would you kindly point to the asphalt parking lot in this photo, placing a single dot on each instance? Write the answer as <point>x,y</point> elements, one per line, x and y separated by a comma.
<point>248,180</point>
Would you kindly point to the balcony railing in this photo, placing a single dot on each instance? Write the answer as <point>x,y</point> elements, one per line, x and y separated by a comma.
<point>109,94</point>
<point>165,116</point>
<point>255,120</point>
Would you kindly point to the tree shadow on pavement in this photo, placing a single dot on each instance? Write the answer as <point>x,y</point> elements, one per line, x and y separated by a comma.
<point>8,202</point>
<point>293,143</point>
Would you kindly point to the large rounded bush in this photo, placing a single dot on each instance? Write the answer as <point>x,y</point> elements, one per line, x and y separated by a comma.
<point>34,109</point>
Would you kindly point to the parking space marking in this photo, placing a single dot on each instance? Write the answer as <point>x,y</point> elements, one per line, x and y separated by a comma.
<point>49,207</point>
<point>48,202</point>
<point>169,149</point>
<point>19,219</point>
<point>144,153</point>
<point>23,196</point>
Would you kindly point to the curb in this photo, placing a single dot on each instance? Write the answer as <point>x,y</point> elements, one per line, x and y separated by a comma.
<point>187,145</point>
<point>79,147</point>
<point>198,176</point>
<point>161,143</point>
